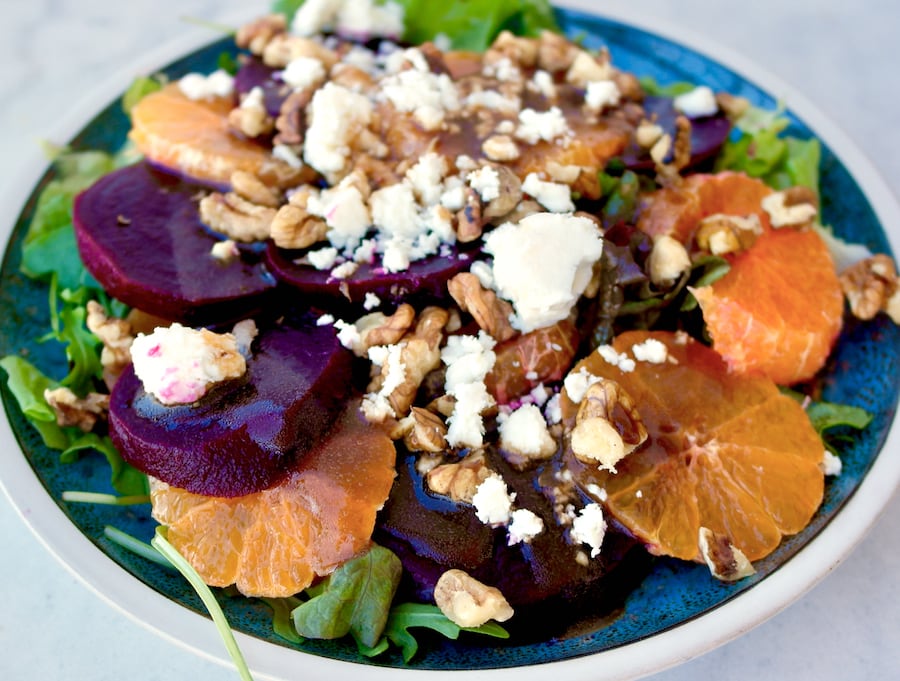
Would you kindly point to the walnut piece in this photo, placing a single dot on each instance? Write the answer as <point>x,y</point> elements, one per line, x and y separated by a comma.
<point>587,68</point>
<point>459,480</point>
<point>726,562</point>
<point>293,227</point>
<point>555,52</point>
<point>250,187</point>
<point>81,412</point>
<point>251,121</point>
<point>871,286</point>
<point>426,431</point>
<point>470,219</point>
<point>257,34</point>
<point>720,234</point>
<point>283,48</point>
<point>467,602</point>
<point>291,120</point>
<point>235,217</point>
<point>608,400</point>
<point>501,148</point>
<point>116,336</point>
<point>377,328</point>
<point>522,52</point>
<point>790,208</point>
<point>490,312</point>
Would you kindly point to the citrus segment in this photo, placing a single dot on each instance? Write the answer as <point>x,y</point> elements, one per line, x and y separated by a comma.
<point>779,309</point>
<point>274,543</point>
<point>676,211</point>
<point>724,451</point>
<point>193,137</point>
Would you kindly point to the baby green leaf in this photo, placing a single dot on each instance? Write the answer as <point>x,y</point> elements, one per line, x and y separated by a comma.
<point>354,599</point>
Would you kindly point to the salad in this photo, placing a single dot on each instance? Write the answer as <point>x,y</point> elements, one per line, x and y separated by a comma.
<point>632,261</point>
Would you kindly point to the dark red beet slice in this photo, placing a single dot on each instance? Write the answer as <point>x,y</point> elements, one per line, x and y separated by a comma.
<point>708,134</point>
<point>244,435</point>
<point>424,282</point>
<point>140,236</point>
<point>430,534</point>
<point>254,73</point>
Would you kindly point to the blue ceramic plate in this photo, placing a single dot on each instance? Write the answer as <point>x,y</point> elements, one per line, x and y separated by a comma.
<point>678,611</point>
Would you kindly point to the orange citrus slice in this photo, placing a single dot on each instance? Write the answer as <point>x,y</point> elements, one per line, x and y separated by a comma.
<point>724,451</point>
<point>274,543</point>
<point>193,136</point>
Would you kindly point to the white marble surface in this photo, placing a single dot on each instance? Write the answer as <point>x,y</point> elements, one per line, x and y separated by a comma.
<point>842,56</point>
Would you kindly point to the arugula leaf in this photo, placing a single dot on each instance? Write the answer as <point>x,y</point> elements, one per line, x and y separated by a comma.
<point>125,479</point>
<point>282,621</point>
<point>354,599</point>
<point>407,616</point>
<point>27,385</point>
<point>651,87</point>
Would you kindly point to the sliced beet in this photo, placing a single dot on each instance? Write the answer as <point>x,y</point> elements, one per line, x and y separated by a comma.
<point>254,73</point>
<point>140,235</point>
<point>424,282</point>
<point>430,533</point>
<point>244,435</point>
<point>708,133</point>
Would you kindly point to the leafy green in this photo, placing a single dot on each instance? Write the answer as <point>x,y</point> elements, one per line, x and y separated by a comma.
<point>761,149</point>
<point>651,87</point>
<point>470,25</point>
<point>141,87</point>
<point>354,599</point>
<point>407,616</point>
<point>831,419</point>
<point>125,479</point>
<point>27,385</point>
<point>282,621</point>
<point>161,544</point>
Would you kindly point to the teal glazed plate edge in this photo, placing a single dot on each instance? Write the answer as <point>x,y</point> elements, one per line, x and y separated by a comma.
<point>678,610</point>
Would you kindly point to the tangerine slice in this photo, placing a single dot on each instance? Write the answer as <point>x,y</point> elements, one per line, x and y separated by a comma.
<point>779,309</point>
<point>193,137</point>
<point>274,543</point>
<point>724,451</point>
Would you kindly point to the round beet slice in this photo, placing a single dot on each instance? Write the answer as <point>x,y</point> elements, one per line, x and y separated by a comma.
<point>244,435</point>
<point>140,235</point>
<point>424,282</point>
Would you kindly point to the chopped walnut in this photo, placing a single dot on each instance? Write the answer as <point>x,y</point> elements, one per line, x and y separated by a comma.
<point>509,196</point>
<point>81,412</point>
<point>251,121</point>
<point>871,286</point>
<point>116,336</point>
<point>424,431</point>
<point>520,51</point>
<point>607,399</point>
<point>681,155</point>
<point>490,312</point>
<point>352,77</point>
<point>732,106</point>
<point>293,227</point>
<point>726,562</point>
<point>291,120</point>
<point>377,328</point>
<point>720,234</point>
<point>236,217</point>
<point>565,174</point>
<point>468,602</point>
<point>501,148</point>
<point>459,480</point>
<point>250,187</point>
<point>256,35</point>
<point>470,219</point>
<point>648,133</point>
<point>284,48</point>
<point>790,209</point>
<point>555,52</point>
<point>587,68</point>
<point>596,441</point>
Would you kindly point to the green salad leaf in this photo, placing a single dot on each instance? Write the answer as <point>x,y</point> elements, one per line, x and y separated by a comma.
<point>27,385</point>
<point>354,599</point>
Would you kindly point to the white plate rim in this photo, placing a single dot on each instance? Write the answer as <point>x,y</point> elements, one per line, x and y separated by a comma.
<point>182,627</point>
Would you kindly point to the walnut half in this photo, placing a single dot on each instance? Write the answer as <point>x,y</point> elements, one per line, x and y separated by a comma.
<point>870,287</point>
<point>468,602</point>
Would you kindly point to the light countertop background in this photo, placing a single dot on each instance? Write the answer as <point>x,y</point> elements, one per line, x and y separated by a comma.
<point>842,56</point>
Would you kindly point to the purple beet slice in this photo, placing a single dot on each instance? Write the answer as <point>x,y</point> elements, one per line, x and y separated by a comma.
<point>708,133</point>
<point>424,282</point>
<point>246,434</point>
<point>140,235</point>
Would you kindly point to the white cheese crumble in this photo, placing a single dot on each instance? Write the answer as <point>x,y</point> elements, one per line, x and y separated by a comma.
<point>323,258</point>
<point>283,152</point>
<point>553,409</point>
<point>525,432</point>
<point>542,265</point>
<point>602,94</point>
<point>336,116</point>
<point>651,350</point>
<point>376,405</point>
<point>198,86</point>
<point>831,464</point>
<point>485,181</point>
<point>304,72</point>
<point>178,364</point>
<point>493,501</point>
<point>427,96</point>
<point>618,359</point>
<point>427,176</point>
<point>577,383</point>
<point>554,196</point>
<point>535,126</point>
<point>371,301</point>
<point>468,360</point>
<point>225,251</point>
<point>542,82</point>
<point>524,526</point>
<point>589,527</point>
<point>699,102</point>
<point>359,18</point>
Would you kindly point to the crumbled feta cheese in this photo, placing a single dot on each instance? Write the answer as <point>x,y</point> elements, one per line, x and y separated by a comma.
<point>651,350</point>
<point>619,360</point>
<point>427,176</point>
<point>323,258</point>
<point>337,116</point>
<point>602,94</point>
<point>315,16</point>
<point>491,99</point>
<point>542,82</point>
<point>177,364</point>
<point>543,264</point>
<point>325,320</point>
<point>535,126</point>
<point>304,72</point>
<point>483,272</point>
<point>395,211</point>
<point>590,528</point>
<point>225,250</point>
<point>555,197</point>
<point>524,526</point>
<point>196,86</point>
<point>699,102</point>
<point>504,70</point>
<point>454,196</point>
<point>371,301</point>
<point>345,270</point>
<point>553,410</point>
<point>493,501</point>
<point>348,334</point>
<point>427,96</point>
<point>539,394</point>
<point>831,464</point>
<point>525,432</point>
<point>577,383</point>
<point>599,493</point>
<point>485,181</point>
<point>283,152</point>
<point>468,360</point>
<point>358,18</point>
